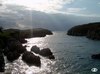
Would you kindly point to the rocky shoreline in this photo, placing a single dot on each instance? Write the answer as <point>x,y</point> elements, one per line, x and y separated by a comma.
<point>11,41</point>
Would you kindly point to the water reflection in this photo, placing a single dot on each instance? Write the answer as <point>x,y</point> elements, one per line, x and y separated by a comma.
<point>40,42</point>
<point>19,67</point>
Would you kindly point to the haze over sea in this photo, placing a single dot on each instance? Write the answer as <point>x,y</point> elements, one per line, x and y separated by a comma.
<point>73,56</point>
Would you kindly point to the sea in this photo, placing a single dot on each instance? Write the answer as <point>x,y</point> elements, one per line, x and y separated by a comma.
<point>72,56</point>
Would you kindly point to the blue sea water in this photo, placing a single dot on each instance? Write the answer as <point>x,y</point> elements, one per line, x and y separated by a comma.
<point>73,55</point>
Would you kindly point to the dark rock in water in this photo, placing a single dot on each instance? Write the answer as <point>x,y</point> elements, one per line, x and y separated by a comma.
<point>31,59</point>
<point>45,52</point>
<point>51,57</point>
<point>95,56</point>
<point>12,56</point>
<point>35,49</point>
<point>2,63</point>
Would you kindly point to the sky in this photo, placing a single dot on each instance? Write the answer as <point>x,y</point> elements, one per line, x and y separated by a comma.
<point>75,7</point>
<point>50,14</point>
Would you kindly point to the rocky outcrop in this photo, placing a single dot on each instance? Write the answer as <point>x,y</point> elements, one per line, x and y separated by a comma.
<point>91,31</point>
<point>46,52</point>
<point>35,49</point>
<point>31,59</point>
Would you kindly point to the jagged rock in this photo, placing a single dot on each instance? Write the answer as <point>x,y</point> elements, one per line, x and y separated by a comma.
<point>45,52</point>
<point>31,59</point>
<point>35,49</point>
<point>95,56</point>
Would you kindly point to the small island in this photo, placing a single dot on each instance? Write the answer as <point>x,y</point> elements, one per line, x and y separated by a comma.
<point>90,30</point>
<point>11,47</point>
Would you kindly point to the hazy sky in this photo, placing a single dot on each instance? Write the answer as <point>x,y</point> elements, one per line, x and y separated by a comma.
<point>89,8</point>
<point>50,14</point>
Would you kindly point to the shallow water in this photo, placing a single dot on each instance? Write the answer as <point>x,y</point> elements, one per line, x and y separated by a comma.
<point>73,56</point>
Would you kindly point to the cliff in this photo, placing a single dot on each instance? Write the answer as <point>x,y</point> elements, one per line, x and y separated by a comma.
<point>91,30</point>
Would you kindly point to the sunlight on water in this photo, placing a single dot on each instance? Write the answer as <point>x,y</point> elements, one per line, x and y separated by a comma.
<point>40,42</point>
<point>19,67</point>
<point>37,41</point>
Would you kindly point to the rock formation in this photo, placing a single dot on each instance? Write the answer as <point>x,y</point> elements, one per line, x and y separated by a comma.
<point>46,52</point>
<point>31,59</point>
<point>35,49</point>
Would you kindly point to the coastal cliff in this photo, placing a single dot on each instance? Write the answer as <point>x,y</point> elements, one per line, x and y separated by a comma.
<point>91,31</point>
<point>11,47</point>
